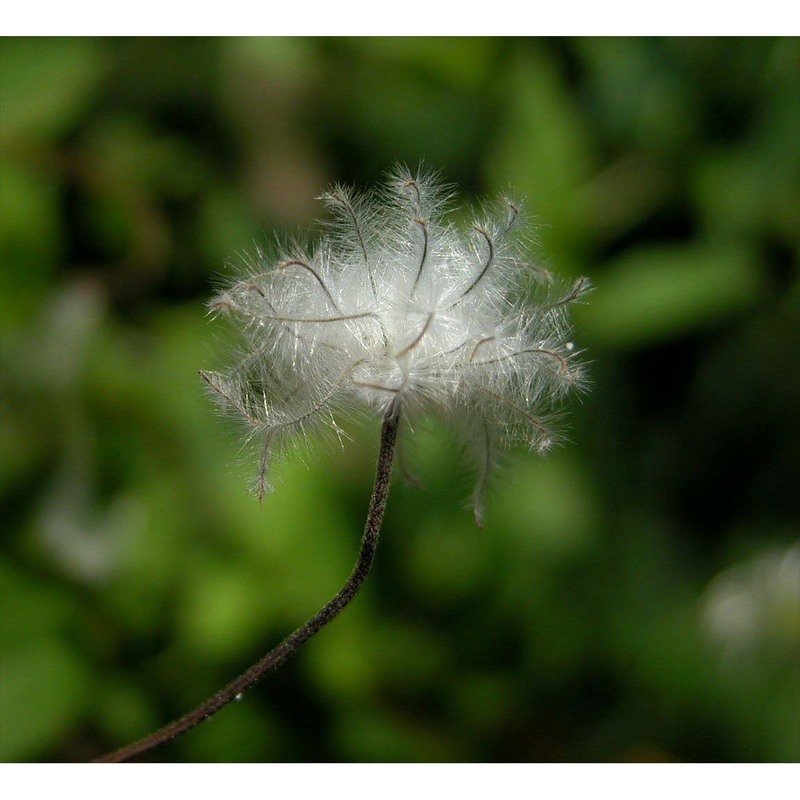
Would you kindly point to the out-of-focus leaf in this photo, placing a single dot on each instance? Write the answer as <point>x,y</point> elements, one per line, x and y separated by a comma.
<point>548,508</point>
<point>658,293</point>
<point>403,116</point>
<point>445,562</point>
<point>542,150</point>
<point>44,689</point>
<point>46,84</point>
<point>458,61</point>
<point>20,446</point>
<point>730,191</point>
<point>377,735</point>
<point>344,666</point>
<point>222,610</point>
<point>482,701</point>
<point>133,156</point>
<point>623,194</point>
<point>39,610</point>
<point>244,732</point>
<point>275,59</point>
<point>30,240</point>
<point>226,231</point>
<point>124,712</point>
<point>637,93</point>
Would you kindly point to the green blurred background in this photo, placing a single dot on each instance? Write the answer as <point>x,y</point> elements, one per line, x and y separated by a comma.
<point>635,596</point>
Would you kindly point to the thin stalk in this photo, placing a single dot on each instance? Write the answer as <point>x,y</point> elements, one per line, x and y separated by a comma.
<point>296,640</point>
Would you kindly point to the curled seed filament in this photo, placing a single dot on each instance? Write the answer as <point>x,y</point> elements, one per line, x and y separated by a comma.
<point>415,186</point>
<point>321,320</point>
<point>295,262</point>
<point>338,196</point>
<point>514,215</point>
<point>424,227</point>
<point>419,337</point>
<point>271,428</point>
<point>562,362</point>
<point>477,347</point>
<point>534,420</point>
<point>376,386</point>
<point>489,260</point>
<point>574,294</point>
<point>219,305</point>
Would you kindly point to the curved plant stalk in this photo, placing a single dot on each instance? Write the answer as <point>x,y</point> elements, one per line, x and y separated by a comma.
<point>296,640</point>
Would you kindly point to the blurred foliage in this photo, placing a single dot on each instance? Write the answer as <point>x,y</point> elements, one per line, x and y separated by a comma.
<point>636,596</point>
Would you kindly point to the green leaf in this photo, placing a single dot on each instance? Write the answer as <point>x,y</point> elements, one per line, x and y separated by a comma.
<point>40,610</point>
<point>30,240</point>
<point>46,83</point>
<point>44,690</point>
<point>659,293</point>
<point>463,63</point>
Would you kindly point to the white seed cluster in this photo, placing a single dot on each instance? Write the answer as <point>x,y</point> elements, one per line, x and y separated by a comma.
<point>396,305</point>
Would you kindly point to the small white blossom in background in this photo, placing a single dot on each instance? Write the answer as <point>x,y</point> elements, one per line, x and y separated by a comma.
<point>753,608</point>
<point>396,306</point>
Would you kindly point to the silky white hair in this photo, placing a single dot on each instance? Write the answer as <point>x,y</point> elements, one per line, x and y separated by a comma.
<point>397,305</point>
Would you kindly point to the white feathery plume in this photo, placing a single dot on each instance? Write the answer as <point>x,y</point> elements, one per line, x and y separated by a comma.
<point>398,306</point>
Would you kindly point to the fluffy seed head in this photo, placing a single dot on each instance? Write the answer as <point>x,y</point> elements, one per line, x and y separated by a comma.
<point>398,306</point>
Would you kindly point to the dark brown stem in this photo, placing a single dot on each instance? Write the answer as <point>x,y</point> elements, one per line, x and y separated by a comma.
<point>296,640</point>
